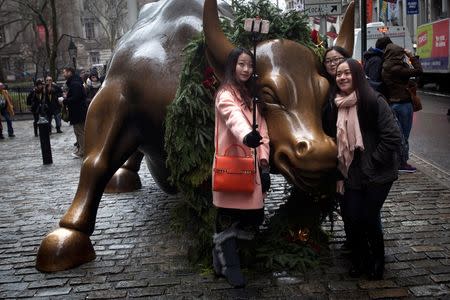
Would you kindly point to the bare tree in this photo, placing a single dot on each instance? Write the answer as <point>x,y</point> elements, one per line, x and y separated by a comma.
<point>43,13</point>
<point>111,16</point>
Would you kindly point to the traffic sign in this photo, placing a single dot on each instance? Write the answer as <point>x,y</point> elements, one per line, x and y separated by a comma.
<point>313,2</point>
<point>323,9</point>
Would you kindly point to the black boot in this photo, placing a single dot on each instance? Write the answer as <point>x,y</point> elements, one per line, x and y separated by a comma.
<point>377,270</point>
<point>35,129</point>
<point>1,136</point>
<point>227,258</point>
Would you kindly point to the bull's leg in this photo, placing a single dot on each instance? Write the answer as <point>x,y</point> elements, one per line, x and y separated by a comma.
<point>126,179</point>
<point>111,138</point>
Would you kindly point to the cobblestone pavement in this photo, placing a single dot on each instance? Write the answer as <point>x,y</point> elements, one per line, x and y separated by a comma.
<point>138,255</point>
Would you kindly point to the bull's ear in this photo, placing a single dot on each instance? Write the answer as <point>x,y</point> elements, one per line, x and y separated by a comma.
<point>218,46</point>
<point>346,35</point>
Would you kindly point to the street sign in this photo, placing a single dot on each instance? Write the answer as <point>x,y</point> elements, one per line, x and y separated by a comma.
<point>412,7</point>
<point>323,9</point>
<point>313,2</point>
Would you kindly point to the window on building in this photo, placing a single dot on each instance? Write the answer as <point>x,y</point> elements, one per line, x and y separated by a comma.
<point>5,63</point>
<point>85,4</point>
<point>89,28</point>
<point>95,57</point>
<point>2,34</point>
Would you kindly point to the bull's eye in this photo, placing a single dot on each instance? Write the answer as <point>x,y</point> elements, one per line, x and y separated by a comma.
<point>268,96</point>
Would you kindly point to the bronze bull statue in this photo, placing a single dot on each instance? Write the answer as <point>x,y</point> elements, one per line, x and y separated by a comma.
<point>126,116</point>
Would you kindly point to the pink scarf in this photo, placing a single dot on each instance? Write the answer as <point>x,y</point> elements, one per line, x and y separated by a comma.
<point>348,134</point>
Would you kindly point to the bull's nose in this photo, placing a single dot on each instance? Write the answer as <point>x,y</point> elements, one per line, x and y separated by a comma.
<point>302,148</point>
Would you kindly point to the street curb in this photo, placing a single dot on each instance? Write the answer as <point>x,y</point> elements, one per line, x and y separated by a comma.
<point>435,172</point>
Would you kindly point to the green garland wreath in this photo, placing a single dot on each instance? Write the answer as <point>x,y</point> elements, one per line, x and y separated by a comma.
<point>189,136</point>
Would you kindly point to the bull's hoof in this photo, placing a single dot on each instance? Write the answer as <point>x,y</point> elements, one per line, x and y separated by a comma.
<point>64,249</point>
<point>123,181</point>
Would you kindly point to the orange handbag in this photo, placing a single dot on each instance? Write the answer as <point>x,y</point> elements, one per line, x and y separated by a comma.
<point>234,173</point>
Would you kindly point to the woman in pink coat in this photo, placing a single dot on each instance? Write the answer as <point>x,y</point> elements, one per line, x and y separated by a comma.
<point>238,214</point>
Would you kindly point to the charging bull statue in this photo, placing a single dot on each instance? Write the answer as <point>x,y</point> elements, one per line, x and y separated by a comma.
<point>126,116</point>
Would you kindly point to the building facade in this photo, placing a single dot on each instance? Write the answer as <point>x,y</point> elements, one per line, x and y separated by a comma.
<point>93,26</point>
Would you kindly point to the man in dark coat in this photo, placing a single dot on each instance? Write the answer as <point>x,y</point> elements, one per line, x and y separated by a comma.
<point>76,102</point>
<point>399,66</point>
<point>373,63</point>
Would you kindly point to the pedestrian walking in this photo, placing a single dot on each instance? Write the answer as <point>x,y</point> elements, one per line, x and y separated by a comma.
<point>368,139</point>
<point>399,66</point>
<point>39,106</point>
<point>92,85</point>
<point>238,213</point>
<point>52,93</point>
<point>6,110</point>
<point>76,102</point>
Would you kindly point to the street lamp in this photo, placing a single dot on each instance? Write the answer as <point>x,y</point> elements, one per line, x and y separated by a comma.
<point>73,53</point>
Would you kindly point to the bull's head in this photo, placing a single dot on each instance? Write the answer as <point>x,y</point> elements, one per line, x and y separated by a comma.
<point>294,92</point>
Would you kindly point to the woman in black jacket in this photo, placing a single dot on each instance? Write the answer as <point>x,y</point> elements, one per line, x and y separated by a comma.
<point>368,140</point>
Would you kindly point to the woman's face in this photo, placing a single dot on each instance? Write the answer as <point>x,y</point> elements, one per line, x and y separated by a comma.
<point>244,67</point>
<point>344,79</point>
<point>332,59</point>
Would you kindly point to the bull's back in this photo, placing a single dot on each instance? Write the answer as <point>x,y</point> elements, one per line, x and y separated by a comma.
<point>147,61</point>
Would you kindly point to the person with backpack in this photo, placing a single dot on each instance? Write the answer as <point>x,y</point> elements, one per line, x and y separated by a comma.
<point>399,65</point>
<point>373,64</point>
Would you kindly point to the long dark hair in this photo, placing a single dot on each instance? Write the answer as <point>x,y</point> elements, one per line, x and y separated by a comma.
<point>365,94</point>
<point>243,89</point>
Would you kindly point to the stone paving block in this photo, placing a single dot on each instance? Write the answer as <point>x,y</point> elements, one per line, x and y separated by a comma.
<point>342,285</point>
<point>394,293</point>
<point>130,284</point>
<point>426,248</point>
<point>111,294</point>
<point>93,287</point>
<point>53,292</point>
<point>87,280</point>
<point>48,283</point>
<point>440,269</point>
<point>153,292</point>
<point>16,286</point>
<point>377,284</point>
<point>414,280</point>
<point>410,256</point>
<point>430,290</point>
<point>441,278</point>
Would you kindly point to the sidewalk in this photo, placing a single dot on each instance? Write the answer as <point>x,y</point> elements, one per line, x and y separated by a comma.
<point>139,256</point>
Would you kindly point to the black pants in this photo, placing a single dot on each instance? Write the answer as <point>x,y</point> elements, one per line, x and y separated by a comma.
<point>362,213</point>
<point>248,219</point>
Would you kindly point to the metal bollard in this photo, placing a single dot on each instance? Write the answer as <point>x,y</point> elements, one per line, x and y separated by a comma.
<point>44,137</point>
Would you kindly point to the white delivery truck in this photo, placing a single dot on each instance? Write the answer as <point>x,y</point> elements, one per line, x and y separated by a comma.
<point>398,34</point>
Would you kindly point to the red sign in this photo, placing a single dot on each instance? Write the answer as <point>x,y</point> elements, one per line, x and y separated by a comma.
<point>440,39</point>
<point>369,9</point>
<point>41,34</point>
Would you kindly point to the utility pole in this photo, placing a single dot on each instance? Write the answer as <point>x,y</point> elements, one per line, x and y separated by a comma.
<point>363,10</point>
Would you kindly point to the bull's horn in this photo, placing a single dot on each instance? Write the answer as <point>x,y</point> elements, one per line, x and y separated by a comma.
<point>218,46</point>
<point>346,35</point>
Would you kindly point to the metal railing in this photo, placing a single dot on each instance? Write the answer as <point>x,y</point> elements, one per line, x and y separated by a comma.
<point>19,98</point>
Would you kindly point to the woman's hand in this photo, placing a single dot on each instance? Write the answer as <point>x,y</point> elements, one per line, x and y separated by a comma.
<point>340,189</point>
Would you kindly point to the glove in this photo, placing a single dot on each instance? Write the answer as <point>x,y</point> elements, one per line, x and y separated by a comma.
<point>265,180</point>
<point>253,139</point>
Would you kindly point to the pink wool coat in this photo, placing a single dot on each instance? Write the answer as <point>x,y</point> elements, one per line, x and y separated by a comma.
<point>233,122</point>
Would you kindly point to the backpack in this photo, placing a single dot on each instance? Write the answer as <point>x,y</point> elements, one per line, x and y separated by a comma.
<point>2,102</point>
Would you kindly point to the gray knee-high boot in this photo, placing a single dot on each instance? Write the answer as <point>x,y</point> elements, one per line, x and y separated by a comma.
<point>226,259</point>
